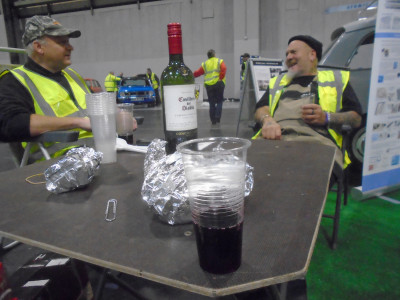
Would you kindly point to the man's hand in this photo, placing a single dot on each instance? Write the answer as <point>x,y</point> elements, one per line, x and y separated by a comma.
<point>134,124</point>
<point>313,114</point>
<point>84,123</point>
<point>270,129</point>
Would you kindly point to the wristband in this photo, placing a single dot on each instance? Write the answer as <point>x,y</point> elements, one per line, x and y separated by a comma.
<point>263,117</point>
<point>327,118</point>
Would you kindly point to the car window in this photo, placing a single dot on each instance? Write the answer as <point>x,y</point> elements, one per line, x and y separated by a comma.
<point>87,82</point>
<point>133,82</point>
<point>362,57</point>
<point>334,37</point>
<point>96,83</point>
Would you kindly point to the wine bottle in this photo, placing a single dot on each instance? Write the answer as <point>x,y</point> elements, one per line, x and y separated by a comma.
<point>178,94</point>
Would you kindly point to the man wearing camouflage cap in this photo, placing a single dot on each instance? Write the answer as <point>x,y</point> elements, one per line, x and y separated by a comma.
<point>39,26</point>
<point>43,95</point>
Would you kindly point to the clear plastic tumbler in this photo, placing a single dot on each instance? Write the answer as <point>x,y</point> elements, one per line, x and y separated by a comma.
<point>215,170</point>
<point>101,108</point>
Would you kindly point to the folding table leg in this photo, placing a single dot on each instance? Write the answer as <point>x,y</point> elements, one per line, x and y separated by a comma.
<point>124,285</point>
<point>279,292</point>
<point>106,274</point>
<point>336,217</point>
<point>100,286</point>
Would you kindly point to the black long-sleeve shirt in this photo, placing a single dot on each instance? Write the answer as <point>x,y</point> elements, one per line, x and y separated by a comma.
<point>17,105</point>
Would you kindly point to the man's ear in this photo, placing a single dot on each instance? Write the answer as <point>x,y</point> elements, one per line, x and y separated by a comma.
<point>313,55</point>
<point>38,47</point>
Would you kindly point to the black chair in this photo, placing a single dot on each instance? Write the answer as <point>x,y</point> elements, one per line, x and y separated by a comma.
<point>341,181</point>
<point>21,157</point>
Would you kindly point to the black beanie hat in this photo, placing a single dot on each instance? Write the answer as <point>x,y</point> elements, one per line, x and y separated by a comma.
<point>310,41</point>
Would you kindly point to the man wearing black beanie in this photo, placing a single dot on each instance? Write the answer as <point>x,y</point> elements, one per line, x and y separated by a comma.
<point>306,103</point>
<point>310,41</point>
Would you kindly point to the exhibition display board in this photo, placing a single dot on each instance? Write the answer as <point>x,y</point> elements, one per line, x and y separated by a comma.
<point>256,80</point>
<point>381,168</point>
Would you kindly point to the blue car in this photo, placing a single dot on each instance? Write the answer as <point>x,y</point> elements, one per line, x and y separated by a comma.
<point>137,90</point>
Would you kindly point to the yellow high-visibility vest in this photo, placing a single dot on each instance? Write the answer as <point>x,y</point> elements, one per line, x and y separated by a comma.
<point>51,99</point>
<point>330,93</point>
<point>244,71</point>
<point>212,68</point>
<point>153,80</point>
<point>110,83</point>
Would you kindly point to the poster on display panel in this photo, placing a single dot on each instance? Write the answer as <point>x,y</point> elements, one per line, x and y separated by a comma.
<point>381,168</point>
<point>256,80</point>
<point>263,70</point>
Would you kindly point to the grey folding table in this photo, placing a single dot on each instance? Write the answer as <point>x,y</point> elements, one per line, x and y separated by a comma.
<point>282,218</point>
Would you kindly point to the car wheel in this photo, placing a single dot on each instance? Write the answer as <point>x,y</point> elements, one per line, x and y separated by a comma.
<point>357,144</point>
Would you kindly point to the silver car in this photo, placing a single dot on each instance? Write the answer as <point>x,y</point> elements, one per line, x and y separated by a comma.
<point>351,49</point>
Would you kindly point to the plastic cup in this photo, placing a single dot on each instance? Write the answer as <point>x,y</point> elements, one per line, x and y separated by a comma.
<point>101,108</point>
<point>312,98</point>
<point>215,170</point>
<point>125,121</point>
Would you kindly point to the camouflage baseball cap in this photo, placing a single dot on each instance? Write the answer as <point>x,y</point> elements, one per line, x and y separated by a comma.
<point>38,26</point>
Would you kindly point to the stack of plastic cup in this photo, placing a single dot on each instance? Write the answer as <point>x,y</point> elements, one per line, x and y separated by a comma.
<point>101,108</point>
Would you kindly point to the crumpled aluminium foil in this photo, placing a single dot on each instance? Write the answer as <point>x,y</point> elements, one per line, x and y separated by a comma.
<point>76,169</point>
<point>249,182</point>
<point>164,188</point>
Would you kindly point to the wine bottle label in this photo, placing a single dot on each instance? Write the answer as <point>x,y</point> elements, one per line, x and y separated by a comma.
<point>180,107</point>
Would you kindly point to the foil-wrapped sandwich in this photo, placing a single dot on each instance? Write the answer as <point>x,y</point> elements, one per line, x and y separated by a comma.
<point>76,169</point>
<point>164,188</point>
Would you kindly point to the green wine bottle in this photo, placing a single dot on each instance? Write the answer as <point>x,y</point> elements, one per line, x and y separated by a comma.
<point>178,94</point>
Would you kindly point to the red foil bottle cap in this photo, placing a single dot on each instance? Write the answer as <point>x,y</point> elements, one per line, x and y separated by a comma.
<point>174,29</point>
<point>175,38</point>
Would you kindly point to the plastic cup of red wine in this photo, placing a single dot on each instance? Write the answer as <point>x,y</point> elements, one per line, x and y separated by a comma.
<point>125,121</point>
<point>215,170</point>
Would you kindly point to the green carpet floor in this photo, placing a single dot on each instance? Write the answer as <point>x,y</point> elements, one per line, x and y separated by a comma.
<point>366,263</point>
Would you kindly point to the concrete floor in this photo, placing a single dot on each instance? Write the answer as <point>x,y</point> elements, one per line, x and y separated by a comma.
<point>151,128</point>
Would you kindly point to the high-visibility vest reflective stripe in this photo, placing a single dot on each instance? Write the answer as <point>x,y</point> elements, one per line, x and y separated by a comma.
<point>153,80</point>
<point>58,102</point>
<point>212,68</point>
<point>330,92</point>
<point>110,83</point>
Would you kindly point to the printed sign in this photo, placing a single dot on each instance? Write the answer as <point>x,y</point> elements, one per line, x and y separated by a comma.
<point>382,145</point>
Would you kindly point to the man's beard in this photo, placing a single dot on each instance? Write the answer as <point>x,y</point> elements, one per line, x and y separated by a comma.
<point>292,74</point>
